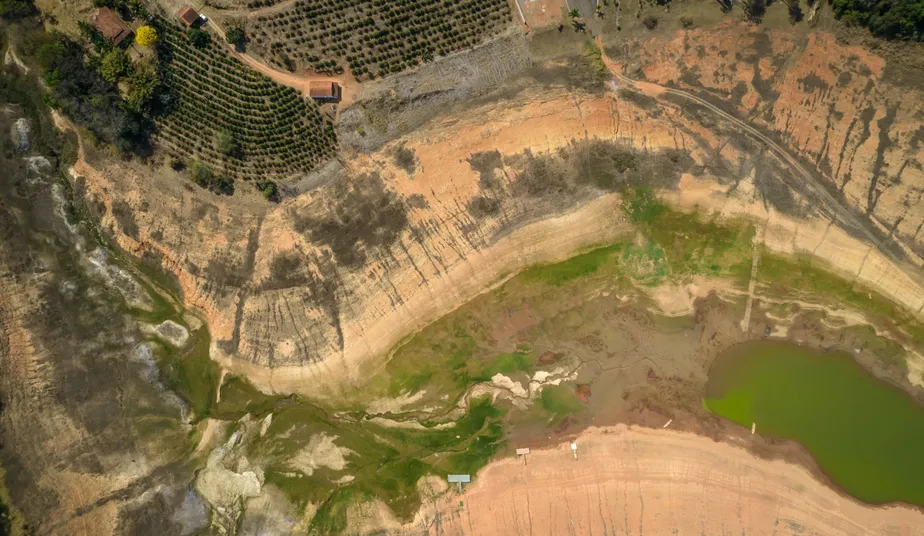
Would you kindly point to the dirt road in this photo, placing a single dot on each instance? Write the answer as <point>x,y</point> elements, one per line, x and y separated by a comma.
<point>644,481</point>
<point>351,89</point>
<point>838,213</point>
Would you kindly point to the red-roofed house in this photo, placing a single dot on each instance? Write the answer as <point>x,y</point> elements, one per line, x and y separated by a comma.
<point>326,91</point>
<point>110,25</point>
<point>188,16</point>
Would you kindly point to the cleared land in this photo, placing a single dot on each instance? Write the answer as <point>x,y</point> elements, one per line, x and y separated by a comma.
<point>636,480</point>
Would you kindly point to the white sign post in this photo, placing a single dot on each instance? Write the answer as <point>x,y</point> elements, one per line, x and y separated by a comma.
<point>459,479</point>
<point>523,452</point>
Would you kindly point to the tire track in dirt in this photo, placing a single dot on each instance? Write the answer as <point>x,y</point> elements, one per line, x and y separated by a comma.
<point>816,188</point>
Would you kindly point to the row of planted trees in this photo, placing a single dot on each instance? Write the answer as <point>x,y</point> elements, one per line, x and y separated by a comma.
<point>374,37</point>
<point>237,123</point>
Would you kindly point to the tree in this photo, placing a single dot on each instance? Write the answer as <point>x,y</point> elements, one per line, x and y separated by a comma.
<point>754,10</point>
<point>573,13</point>
<point>795,11</point>
<point>88,99</point>
<point>146,36</point>
<point>199,38</point>
<point>650,22</point>
<point>269,190</point>
<point>115,65</point>
<point>902,19</point>
<point>143,84</point>
<point>225,143</point>
<point>203,176</point>
<point>235,34</point>
<point>16,9</point>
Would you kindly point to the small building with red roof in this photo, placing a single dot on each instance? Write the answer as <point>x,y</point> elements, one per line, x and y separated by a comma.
<point>188,16</point>
<point>110,25</point>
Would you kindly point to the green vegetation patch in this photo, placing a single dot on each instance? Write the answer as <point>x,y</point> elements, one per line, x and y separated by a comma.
<point>865,434</point>
<point>645,264</point>
<point>560,400</point>
<point>192,374</point>
<point>483,370</point>
<point>693,243</point>
<point>239,397</point>
<point>577,267</point>
<point>386,462</point>
<point>801,274</point>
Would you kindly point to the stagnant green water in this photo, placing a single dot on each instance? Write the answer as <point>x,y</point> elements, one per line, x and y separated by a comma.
<point>867,435</point>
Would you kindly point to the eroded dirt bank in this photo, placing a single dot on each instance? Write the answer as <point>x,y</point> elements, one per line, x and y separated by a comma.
<point>630,480</point>
<point>303,297</point>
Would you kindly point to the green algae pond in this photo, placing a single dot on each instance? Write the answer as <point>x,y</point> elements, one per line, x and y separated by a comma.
<point>865,434</point>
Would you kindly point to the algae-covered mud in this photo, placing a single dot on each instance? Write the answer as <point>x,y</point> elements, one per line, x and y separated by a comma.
<point>866,434</point>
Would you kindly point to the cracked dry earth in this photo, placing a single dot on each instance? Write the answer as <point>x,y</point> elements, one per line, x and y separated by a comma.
<point>290,307</point>
<point>630,480</point>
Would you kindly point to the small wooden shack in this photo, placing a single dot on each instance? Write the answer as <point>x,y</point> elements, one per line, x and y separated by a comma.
<point>188,16</point>
<point>110,25</point>
<point>324,91</point>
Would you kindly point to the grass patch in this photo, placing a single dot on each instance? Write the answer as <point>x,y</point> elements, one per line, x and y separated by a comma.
<point>438,361</point>
<point>193,374</point>
<point>560,400</point>
<point>693,244</point>
<point>386,462</point>
<point>645,264</point>
<point>331,516</point>
<point>593,53</point>
<point>484,370</point>
<point>583,265</point>
<point>239,397</point>
<point>11,520</point>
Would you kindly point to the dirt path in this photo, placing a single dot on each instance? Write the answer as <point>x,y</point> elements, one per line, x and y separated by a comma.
<point>817,189</point>
<point>752,285</point>
<point>644,481</point>
<point>351,89</point>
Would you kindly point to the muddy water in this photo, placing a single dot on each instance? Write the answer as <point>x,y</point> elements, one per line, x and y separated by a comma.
<point>867,435</point>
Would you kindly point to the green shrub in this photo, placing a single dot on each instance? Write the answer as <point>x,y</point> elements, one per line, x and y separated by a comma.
<point>115,65</point>
<point>894,19</point>
<point>199,38</point>
<point>235,34</point>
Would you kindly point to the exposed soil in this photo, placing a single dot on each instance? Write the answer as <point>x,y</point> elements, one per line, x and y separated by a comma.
<point>505,209</point>
<point>630,479</point>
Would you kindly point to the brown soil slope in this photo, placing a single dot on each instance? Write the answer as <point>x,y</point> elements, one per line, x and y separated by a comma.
<point>317,287</point>
<point>849,113</point>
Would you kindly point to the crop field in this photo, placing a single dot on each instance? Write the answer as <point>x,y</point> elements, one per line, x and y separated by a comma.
<point>276,131</point>
<point>374,37</point>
